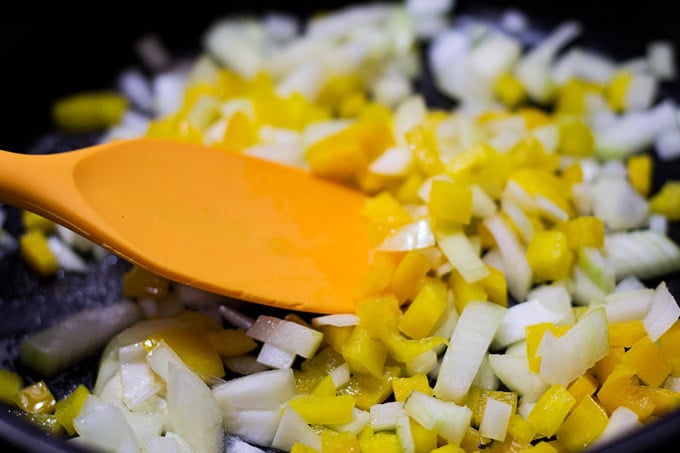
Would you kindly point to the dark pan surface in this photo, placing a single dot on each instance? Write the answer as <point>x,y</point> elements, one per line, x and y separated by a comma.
<point>51,50</point>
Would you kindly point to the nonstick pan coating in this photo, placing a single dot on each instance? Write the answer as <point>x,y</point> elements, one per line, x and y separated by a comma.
<point>51,50</point>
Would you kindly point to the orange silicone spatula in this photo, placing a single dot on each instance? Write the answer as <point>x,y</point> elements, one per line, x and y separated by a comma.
<point>220,221</point>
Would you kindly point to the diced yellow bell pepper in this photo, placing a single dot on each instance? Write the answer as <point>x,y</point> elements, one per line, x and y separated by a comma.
<point>32,221</point>
<point>639,169</point>
<point>10,384</point>
<point>239,134</point>
<point>423,143</point>
<point>424,440</point>
<point>89,111</point>
<point>520,429</point>
<point>477,398</point>
<point>337,88</point>
<point>605,366</point>
<point>352,105</point>
<point>403,386</point>
<point>142,284</point>
<point>336,336</point>
<point>407,192</point>
<point>324,410</point>
<point>193,348</point>
<point>365,354</point>
<point>583,231</point>
<point>667,200</point>
<point>622,388</point>
<point>495,286</point>
<point>67,409</point>
<point>408,275</point>
<point>585,423</point>
<point>576,138</point>
<point>47,423</point>
<point>509,90</point>
<point>316,368</point>
<point>649,364</point>
<point>482,165</point>
<point>472,439</point>
<point>299,447</point>
<point>572,174</point>
<point>36,399</point>
<point>529,152</point>
<point>571,99</point>
<point>617,91</point>
<point>383,314</point>
<point>625,333</point>
<point>584,385</point>
<point>379,274</point>
<point>339,442</point>
<point>664,400</point>
<point>464,292</point>
<point>230,342</point>
<point>383,213</point>
<point>339,156</point>
<point>36,252</point>
<point>425,311</point>
<point>549,255</point>
<point>551,409</point>
<point>325,387</point>
<point>450,203</point>
<point>669,343</point>
<point>381,442</point>
<point>368,390</point>
<point>534,117</point>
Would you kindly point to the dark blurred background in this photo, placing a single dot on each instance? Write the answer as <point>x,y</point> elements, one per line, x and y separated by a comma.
<point>49,49</point>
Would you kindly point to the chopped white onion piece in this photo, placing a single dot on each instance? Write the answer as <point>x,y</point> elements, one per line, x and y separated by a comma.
<point>495,419</point>
<point>286,335</point>
<point>384,415</point>
<point>413,236</point>
<point>336,320</point>
<point>663,312</point>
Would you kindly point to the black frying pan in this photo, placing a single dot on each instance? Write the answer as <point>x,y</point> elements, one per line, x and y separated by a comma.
<point>49,50</point>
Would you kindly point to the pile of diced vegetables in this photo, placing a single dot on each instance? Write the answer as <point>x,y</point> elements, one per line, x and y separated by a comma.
<point>507,306</point>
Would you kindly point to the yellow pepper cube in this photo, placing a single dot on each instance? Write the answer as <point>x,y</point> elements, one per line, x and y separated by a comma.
<point>385,208</point>
<point>605,366</point>
<point>239,134</point>
<point>89,111</point>
<point>585,423</point>
<point>368,390</point>
<point>299,447</point>
<point>572,174</point>
<point>464,292</point>
<point>639,169</point>
<point>572,97</point>
<point>403,387</point>
<point>625,333</point>
<point>584,385</point>
<point>576,138</point>
<point>408,275</point>
<point>379,274</point>
<point>424,440</point>
<point>542,447</point>
<point>381,442</point>
<point>36,252</point>
<point>520,429</point>
<point>325,387</point>
<point>422,141</point>
<point>617,90</point>
<point>339,442</point>
<point>230,342</point>
<point>583,231</point>
<point>336,336</point>
<point>32,221</point>
<point>549,255</point>
<point>664,400</point>
<point>669,343</point>
<point>365,354</point>
<point>450,203</point>
<point>193,348</point>
<point>67,409</point>
<point>36,399</point>
<point>649,363</point>
<point>495,286</point>
<point>509,90</point>
<point>622,388</point>
<point>482,165</point>
<point>324,410</point>
<point>551,409</point>
<point>336,158</point>
<point>425,311</point>
<point>667,200</point>
<point>10,384</point>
